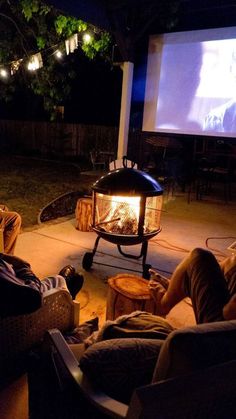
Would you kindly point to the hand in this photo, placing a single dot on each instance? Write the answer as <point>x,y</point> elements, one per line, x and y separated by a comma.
<point>156,277</point>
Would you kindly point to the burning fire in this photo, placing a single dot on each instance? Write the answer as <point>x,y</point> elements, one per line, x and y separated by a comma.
<point>121,215</point>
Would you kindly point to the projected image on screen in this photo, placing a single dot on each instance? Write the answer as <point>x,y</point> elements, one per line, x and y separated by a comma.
<point>191,83</point>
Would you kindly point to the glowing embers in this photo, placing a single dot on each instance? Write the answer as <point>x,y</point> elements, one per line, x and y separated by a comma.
<point>126,215</point>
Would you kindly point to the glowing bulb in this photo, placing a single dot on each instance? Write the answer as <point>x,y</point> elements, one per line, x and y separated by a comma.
<point>58,54</point>
<point>3,73</point>
<point>87,38</point>
<point>31,66</point>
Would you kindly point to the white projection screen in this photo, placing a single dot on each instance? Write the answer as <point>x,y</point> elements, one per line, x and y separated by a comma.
<point>191,83</point>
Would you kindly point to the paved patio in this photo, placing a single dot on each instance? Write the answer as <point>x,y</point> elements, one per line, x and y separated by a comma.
<point>54,244</point>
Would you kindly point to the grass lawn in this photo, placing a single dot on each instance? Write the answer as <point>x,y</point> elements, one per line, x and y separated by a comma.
<point>29,184</point>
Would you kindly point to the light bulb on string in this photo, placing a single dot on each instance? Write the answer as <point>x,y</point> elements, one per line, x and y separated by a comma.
<point>58,54</point>
<point>87,38</point>
<point>31,66</point>
<point>35,62</point>
<point>3,73</point>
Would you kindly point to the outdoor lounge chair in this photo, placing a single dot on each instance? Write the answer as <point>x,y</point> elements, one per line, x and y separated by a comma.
<point>195,377</point>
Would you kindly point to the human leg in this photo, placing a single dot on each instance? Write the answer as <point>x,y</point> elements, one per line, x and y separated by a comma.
<point>74,280</point>
<point>51,282</point>
<point>10,221</point>
<point>67,279</point>
<point>199,277</point>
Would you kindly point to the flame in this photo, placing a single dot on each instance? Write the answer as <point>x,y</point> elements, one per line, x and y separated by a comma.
<point>120,214</point>
<point>132,202</point>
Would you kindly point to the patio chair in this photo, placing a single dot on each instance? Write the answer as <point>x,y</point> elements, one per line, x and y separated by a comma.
<point>19,334</point>
<point>193,377</point>
<point>97,160</point>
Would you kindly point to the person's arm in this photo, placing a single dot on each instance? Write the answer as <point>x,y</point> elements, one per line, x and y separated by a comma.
<point>229,310</point>
<point>21,268</point>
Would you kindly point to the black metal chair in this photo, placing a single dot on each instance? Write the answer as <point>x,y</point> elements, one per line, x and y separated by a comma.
<point>97,160</point>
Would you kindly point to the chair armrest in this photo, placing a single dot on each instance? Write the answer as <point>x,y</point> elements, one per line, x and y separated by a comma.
<point>76,304</point>
<point>54,341</point>
<point>48,296</point>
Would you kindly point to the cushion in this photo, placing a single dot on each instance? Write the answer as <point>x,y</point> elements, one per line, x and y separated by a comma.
<point>117,366</point>
<point>193,348</point>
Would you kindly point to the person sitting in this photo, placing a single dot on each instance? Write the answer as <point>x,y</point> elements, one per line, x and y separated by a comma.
<point>21,290</point>
<point>10,223</point>
<point>210,285</point>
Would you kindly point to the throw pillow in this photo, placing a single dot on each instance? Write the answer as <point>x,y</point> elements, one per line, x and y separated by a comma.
<point>118,366</point>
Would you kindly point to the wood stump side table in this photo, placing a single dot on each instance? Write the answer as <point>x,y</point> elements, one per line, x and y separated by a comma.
<point>128,293</point>
<point>83,214</point>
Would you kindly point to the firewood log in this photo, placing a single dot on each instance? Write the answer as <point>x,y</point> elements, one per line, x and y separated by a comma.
<point>83,214</point>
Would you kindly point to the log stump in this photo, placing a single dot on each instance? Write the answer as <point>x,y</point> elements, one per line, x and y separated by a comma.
<point>1,240</point>
<point>83,214</point>
<point>128,293</point>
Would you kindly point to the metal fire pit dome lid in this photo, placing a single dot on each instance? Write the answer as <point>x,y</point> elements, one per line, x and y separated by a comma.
<point>127,181</point>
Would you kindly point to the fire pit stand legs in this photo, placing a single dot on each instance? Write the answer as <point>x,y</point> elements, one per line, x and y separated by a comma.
<point>88,258</point>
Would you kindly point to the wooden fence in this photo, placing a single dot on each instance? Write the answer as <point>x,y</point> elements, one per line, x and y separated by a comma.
<point>59,140</point>
<point>56,139</point>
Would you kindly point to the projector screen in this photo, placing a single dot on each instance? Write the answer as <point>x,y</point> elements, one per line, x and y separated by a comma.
<point>191,83</point>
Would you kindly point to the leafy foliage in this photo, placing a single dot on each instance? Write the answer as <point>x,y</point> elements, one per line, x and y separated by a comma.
<point>30,26</point>
<point>68,25</point>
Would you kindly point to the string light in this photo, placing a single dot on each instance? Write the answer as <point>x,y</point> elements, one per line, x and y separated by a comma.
<point>31,66</point>
<point>35,61</point>
<point>87,38</point>
<point>3,73</point>
<point>15,65</point>
<point>72,43</point>
<point>58,54</point>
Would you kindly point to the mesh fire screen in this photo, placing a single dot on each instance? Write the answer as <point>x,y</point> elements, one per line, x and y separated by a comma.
<point>127,215</point>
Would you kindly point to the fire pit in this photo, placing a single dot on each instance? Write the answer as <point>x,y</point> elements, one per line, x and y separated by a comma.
<point>127,207</point>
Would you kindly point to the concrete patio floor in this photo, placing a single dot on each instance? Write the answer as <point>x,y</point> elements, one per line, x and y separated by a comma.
<point>50,246</point>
